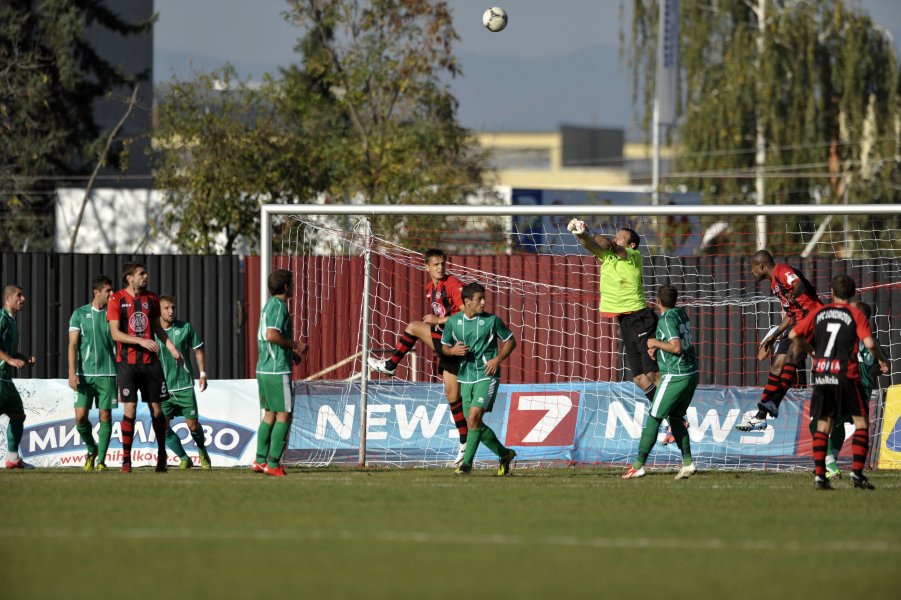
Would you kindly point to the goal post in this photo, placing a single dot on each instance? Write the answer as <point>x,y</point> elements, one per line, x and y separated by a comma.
<point>566,396</point>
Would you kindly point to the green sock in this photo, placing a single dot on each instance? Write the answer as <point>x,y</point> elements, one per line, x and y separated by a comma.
<point>14,432</point>
<point>680,433</point>
<point>278,443</point>
<point>264,433</point>
<point>836,439</point>
<point>647,441</point>
<point>472,444</point>
<point>490,441</point>
<point>104,434</point>
<point>197,436</point>
<point>84,430</point>
<point>174,444</point>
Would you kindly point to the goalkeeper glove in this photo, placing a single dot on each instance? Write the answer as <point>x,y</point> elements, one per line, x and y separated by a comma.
<point>577,227</point>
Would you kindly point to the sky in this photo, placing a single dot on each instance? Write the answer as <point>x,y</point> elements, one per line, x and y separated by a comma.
<point>557,62</point>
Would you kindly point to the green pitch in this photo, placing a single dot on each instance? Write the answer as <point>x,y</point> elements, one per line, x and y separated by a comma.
<point>336,533</point>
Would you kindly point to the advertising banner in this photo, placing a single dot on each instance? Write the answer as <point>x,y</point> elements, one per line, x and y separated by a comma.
<point>890,438</point>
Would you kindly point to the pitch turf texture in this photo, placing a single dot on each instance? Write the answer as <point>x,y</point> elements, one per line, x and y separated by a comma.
<point>354,533</point>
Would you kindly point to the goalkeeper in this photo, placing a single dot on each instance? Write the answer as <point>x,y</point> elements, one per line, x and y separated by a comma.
<point>622,295</point>
<point>678,362</point>
<point>472,335</point>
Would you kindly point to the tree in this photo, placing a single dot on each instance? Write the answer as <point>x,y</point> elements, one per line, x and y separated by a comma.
<point>50,78</point>
<point>797,101</point>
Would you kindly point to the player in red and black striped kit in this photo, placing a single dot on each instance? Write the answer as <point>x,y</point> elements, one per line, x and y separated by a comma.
<point>442,294</point>
<point>134,318</point>
<point>831,334</point>
<point>798,298</point>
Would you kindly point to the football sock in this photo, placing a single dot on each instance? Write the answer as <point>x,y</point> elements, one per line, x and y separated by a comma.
<point>103,437</point>
<point>174,444</point>
<point>490,441</point>
<point>159,429</point>
<point>650,391</point>
<point>472,445</point>
<point>459,419</point>
<point>404,344</point>
<point>128,432</point>
<point>12,456</point>
<point>264,435</point>
<point>787,379</point>
<point>278,443</point>
<point>860,444</point>
<point>14,432</point>
<point>837,439</point>
<point>647,441</point>
<point>819,453</point>
<point>198,437</point>
<point>769,392</point>
<point>84,430</point>
<point>680,433</point>
<point>829,452</point>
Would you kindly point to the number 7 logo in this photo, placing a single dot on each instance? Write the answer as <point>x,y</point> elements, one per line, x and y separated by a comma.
<point>542,418</point>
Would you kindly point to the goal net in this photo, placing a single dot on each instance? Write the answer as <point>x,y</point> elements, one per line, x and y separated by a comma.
<point>566,396</point>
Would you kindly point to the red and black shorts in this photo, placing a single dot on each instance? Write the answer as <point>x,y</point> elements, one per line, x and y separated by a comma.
<point>147,379</point>
<point>840,399</point>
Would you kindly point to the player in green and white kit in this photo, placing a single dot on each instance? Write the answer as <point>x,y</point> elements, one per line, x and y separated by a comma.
<point>277,350</point>
<point>180,382</point>
<point>92,371</point>
<point>472,334</point>
<point>10,358</point>
<point>678,362</point>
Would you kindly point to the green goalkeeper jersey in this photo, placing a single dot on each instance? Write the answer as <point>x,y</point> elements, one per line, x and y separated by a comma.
<point>179,376</point>
<point>9,342</point>
<point>95,355</point>
<point>674,324</point>
<point>865,362</point>
<point>480,334</point>
<point>273,359</point>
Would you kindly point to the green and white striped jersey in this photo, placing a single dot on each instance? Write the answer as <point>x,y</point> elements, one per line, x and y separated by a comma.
<point>186,340</point>
<point>95,355</point>
<point>274,359</point>
<point>673,324</point>
<point>9,342</point>
<point>480,334</point>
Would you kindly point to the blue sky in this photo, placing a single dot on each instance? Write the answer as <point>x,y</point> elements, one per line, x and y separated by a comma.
<point>556,63</point>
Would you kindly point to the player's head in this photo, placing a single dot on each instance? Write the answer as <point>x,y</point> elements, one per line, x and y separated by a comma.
<point>627,238</point>
<point>843,287</point>
<point>435,260</point>
<point>762,264</point>
<point>13,298</point>
<point>864,308</point>
<point>280,282</point>
<point>167,309</point>
<point>102,287</point>
<point>473,298</point>
<point>667,295</point>
<point>134,274</point>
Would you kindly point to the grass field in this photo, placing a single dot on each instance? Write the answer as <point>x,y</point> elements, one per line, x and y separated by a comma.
<point>348,533</point>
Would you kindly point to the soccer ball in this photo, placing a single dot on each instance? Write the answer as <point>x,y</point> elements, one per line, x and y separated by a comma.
<point>495,19</point>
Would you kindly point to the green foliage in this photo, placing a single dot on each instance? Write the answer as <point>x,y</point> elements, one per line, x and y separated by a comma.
<point>819,82</point>
<point>50,78</point>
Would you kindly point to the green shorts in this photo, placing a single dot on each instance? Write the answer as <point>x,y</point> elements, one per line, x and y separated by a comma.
<point>674,394</point>
<point>276,392</point>
<point>181,403</point>
<point>10,400</point>
<point>481,394</point>
<point>101,389</point>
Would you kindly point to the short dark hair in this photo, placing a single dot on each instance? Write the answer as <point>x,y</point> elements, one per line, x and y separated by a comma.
<point>279,281</point>
<point>432,253</point>
<point>470,289</point>
<point>864,308</point>
<point>634,238</point>
<point>10,289</point>
<point>667,295</point>
<point>101,280</point>
<point>762,257</point>
<point>169,299</point>
<point>843,287</point>
<point>129,268</point>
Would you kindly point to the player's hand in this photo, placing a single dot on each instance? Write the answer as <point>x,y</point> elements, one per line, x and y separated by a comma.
<point>176,355</point>
<point>300,347</point>
<point>73,382</point>
<point>431,320</point>
<point>17,363</point>
<point>458,349</point>
<point>492,365</point>
<point>576,227</point>
<point>884,367</point>
<point>149,345</point>
<point>202,383</point>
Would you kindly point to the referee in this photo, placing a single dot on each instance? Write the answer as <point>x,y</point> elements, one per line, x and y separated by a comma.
<point>622,294</point>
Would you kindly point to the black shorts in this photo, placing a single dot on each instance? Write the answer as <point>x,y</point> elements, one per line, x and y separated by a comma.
<point>148,379</point>
<point>843,399</point>
<point>634,330</point>
<point>448,364</point>
<point>782,344</point>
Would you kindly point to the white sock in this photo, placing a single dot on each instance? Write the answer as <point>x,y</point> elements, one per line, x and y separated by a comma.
<point>12,457</point>
<point>830,460</point>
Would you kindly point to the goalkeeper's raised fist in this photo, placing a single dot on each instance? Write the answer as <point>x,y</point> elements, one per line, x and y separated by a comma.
<point>577,227</point>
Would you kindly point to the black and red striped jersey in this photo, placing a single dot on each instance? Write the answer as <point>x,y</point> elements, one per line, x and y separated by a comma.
<point>781,285</point>
<point>835,332</point>
<point>135,316</point>
<point>445,298</point>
